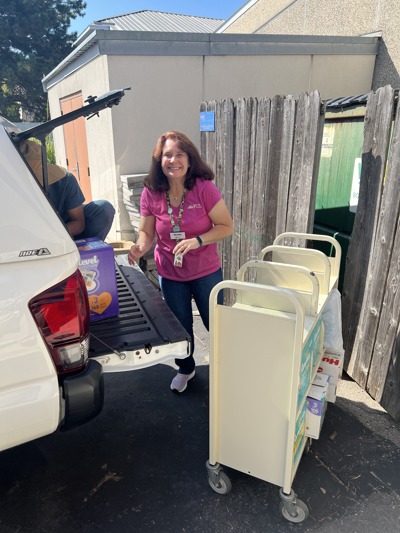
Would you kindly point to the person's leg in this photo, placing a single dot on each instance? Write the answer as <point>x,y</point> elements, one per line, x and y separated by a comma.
<point>99,216</point>
<point>201,289</point>
<point>178,297</point>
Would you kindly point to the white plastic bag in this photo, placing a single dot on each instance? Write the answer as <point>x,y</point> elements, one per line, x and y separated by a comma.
<point>332,319</point>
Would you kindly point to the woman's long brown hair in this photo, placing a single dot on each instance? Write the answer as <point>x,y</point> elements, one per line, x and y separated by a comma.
<point>198,169</point>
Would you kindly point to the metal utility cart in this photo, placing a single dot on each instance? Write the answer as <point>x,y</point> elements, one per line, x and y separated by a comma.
<point>265,349</point>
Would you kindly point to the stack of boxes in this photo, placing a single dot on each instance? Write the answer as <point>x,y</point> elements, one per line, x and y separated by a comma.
<point>323,390</point>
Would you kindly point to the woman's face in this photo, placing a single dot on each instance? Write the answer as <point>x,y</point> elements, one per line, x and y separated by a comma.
<point>174,161</point>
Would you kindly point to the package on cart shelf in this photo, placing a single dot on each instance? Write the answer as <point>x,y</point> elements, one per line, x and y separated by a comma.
<point>316,404</point>
<point>332,364</point>
<point>98,270</point>
<point>332,317</point>
<point>331,394</point>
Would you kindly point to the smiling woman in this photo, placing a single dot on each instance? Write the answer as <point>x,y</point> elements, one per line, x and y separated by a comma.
<point>185,210</point>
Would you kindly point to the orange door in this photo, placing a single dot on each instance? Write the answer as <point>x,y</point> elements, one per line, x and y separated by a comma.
<point>76,145</point>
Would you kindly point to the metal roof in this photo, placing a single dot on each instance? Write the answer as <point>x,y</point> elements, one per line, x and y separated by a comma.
<point>161,22</point>
<point>347,101</point>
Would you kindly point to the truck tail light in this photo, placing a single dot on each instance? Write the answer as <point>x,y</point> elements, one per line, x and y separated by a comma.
<point>62,316</point>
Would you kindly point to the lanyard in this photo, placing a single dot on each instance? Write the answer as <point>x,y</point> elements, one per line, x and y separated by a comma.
<point>176,227</point>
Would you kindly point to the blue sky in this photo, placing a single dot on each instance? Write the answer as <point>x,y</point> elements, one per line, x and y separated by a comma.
<point>98,9</point>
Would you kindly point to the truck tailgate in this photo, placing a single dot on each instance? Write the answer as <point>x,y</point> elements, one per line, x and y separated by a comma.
<point>145,332</point>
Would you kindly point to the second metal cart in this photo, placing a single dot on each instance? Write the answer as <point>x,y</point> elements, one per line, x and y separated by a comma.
<point>264,353</point>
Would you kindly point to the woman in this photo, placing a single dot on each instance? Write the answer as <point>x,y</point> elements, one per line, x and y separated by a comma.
<point>182,206</point>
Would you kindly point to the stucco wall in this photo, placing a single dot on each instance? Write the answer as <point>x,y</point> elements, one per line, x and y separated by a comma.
<point>332,17</point>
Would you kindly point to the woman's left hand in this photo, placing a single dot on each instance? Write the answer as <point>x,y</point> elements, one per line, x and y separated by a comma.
<point>183,247</point>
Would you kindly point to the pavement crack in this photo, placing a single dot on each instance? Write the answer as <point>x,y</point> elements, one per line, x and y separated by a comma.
<point>386,486</point>
<point>107,477</point>
<point>335,476</point>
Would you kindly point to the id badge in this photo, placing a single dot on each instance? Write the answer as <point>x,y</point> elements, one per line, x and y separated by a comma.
<point>178,260</point>
<point>177,235</point>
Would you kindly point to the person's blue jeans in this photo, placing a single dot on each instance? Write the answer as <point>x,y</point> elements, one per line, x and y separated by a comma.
<point>178,296</point>
<point>99,216</point>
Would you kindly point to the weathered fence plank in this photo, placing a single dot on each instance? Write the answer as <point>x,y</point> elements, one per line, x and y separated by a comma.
<point>283,116</point>
<point>376,140</point>
<point>248,189</point>
<point>258,236</point>
<point>306,151</point>
<point>241,175</point>
<point>225,153</point>
<point>358,264</point>
<point>383,288</point>
<point>384,382</point>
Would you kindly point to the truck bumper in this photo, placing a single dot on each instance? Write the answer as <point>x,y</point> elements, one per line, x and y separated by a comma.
<point>83,396</point>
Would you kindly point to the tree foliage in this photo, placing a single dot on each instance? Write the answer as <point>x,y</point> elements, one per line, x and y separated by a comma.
<point>34,38</point>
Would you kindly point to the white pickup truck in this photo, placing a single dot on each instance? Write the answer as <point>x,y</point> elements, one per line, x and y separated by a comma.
<point>52,358</point>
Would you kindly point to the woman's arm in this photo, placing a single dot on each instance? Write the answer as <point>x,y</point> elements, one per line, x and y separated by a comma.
<point>222,228</point>
<point>147,229</point>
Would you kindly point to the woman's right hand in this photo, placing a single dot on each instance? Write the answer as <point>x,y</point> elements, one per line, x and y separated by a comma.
<point>135,253</point>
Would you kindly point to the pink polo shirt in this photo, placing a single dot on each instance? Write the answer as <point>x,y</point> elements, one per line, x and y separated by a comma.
<point>195,221</point>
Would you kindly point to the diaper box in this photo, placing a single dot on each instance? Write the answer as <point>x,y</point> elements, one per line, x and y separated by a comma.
<point>332,364</point>
<point>316,404</point>
<point>98,270</point>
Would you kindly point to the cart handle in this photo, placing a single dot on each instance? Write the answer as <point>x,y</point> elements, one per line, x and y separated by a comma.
<point>305,253</point>
<point>296,271</point>
<point>316,237</point>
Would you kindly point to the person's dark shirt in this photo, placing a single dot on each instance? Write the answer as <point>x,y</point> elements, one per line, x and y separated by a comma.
<point>65,194</point>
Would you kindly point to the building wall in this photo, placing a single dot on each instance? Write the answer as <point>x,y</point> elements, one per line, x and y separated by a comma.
<point>166,93</point>
<point>90,81</point>
<point>332,17</point>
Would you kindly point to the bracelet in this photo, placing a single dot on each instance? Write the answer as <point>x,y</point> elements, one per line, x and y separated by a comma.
<point>199,240</point>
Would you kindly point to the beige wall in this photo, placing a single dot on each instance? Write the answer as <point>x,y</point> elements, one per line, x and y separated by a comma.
<point>332,17</point>
<point>166,94</point>
<point>92,80</point>
<point>167,91</point>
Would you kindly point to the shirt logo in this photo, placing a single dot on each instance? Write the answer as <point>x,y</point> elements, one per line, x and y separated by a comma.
<point>195,206</point>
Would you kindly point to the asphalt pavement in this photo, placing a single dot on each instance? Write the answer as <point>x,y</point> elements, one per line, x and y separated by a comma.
<point>141,467</point>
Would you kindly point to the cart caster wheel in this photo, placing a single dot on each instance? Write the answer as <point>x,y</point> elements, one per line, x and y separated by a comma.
<point>220,484</point>
<point>294,511</point>
<point>307,447</point>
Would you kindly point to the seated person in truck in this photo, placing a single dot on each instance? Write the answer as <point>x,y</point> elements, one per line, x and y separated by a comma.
<point>81,220</point>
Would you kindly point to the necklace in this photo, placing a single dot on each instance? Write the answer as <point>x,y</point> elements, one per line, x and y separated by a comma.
<point>176,227</point>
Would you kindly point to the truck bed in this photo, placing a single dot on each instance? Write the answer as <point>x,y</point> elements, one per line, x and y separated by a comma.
<point>145,325</point>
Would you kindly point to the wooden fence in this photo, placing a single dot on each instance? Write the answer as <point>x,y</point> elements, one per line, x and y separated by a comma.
<point>370,298</point>
<point>265,153</point>
<point>266,157</point>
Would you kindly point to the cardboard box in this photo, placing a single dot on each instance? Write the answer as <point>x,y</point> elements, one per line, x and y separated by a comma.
<point>332,365</point>
<point>98,270</point>
<point>316,404</point>
<point>331,394</point>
